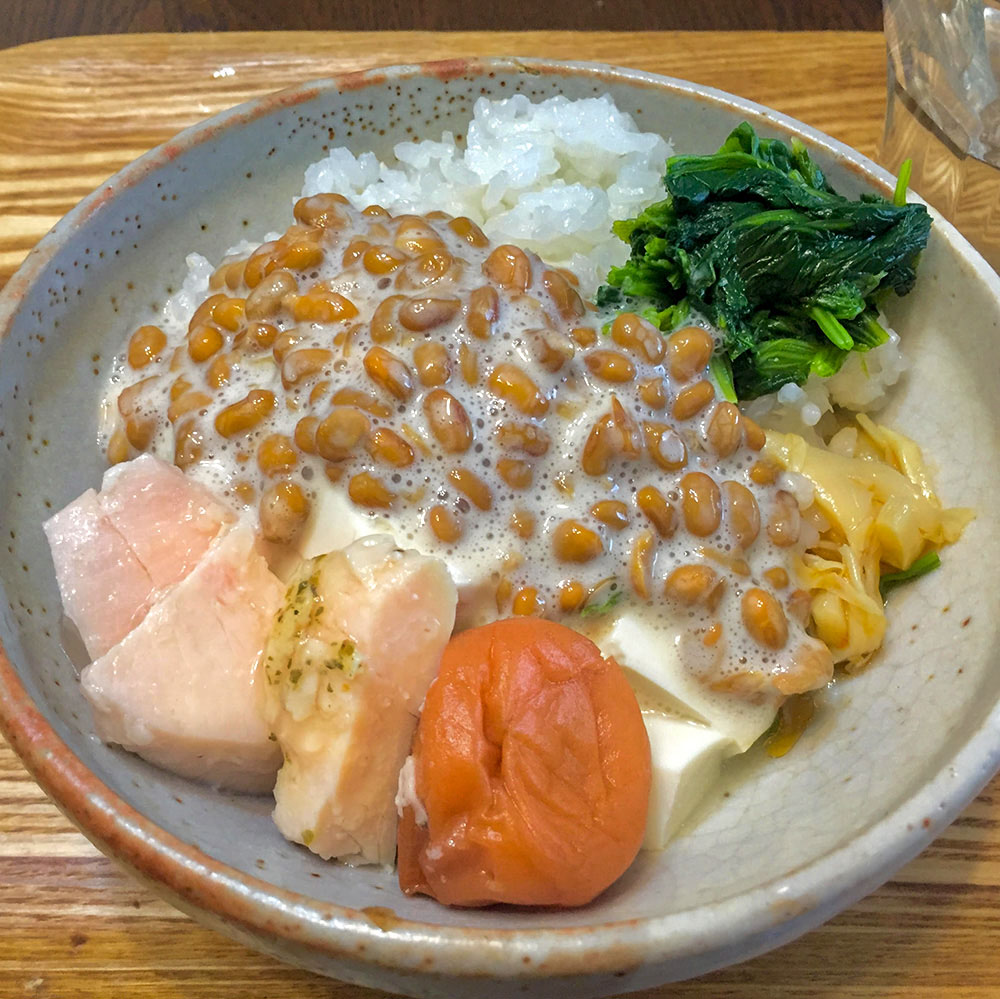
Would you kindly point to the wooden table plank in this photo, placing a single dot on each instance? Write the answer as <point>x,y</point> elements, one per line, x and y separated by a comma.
<point>33,20</point>
<point>71,925</point>
<point>61,106</point>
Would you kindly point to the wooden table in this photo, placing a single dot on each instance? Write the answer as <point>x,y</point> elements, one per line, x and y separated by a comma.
<point>34,20</point>
<point>71,925</point>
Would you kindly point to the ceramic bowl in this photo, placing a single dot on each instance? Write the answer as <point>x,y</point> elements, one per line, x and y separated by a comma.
<point>893,756</point>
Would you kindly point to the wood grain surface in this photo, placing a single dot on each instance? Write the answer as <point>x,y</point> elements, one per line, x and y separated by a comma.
<point>33,20</point>
<point>71,925</point>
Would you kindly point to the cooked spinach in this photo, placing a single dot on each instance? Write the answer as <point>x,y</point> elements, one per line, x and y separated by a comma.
<point>755,239</point>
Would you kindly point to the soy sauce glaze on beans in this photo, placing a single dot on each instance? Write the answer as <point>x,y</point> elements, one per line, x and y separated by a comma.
<point>462,396</point>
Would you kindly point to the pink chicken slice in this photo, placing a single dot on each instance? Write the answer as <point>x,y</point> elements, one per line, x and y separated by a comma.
<point>181,688</point>
<point>351,656</point>
<point>168,519</point>
<point>114,551</point>
<point>105,589</point>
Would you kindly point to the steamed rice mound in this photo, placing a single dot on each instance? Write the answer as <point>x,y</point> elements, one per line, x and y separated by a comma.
<point>549,177</point>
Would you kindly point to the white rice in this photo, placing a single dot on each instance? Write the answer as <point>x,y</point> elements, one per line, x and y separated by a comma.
<point>861,384</point>
<point>194,289</point>
<point>180,306</point>
<point>550,177</point>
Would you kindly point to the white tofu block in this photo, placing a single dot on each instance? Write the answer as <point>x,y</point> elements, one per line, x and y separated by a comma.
<point>686,761</point>
<point>335,523</point>
<point>655,654</point>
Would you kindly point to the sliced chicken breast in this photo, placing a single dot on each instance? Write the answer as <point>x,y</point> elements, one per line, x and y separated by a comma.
<point>105,590</point>
<point>114,551</point>
<point>353,652</point>
<point>181,688</point>
<point>167,519</point>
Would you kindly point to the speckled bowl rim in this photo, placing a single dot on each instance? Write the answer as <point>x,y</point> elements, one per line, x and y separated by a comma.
<point>683,943</point>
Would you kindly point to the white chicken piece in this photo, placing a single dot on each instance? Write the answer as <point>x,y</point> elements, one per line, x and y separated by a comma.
<point>347,665</point>
<point>115,552</point>
<point>179,689</point>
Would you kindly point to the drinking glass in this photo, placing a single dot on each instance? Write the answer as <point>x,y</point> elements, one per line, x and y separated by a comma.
<point>943,110</point>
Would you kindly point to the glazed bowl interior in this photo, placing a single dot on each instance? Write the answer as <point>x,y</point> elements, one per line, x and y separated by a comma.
<point>894,752</point>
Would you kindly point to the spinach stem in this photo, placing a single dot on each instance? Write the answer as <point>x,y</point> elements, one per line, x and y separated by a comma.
<point>832,328</point>
<point>927,562</point>
<point>902,183</point>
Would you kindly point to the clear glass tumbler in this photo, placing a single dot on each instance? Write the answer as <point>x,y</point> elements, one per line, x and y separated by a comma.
<point>943,110</point>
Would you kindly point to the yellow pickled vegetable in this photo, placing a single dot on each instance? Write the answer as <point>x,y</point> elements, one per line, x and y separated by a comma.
<point>876,510</point>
